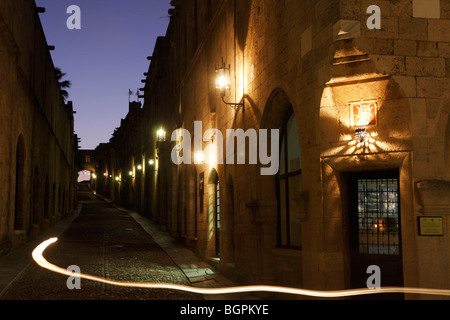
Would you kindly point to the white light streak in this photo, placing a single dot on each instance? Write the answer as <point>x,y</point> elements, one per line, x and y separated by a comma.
<point>41,261</point>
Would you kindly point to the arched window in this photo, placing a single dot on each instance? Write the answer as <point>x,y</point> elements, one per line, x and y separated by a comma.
<point>289,187</point>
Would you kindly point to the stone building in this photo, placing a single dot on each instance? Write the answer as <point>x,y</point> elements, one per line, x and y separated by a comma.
<point>359,93</point>
<point>37,172</point>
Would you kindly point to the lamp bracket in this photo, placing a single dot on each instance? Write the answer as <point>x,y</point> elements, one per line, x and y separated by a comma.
<point>235,106</point>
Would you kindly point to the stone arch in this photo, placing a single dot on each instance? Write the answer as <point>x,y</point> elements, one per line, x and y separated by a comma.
<point>277,108</point>
<point>213,177</point>
<point>19,206</point>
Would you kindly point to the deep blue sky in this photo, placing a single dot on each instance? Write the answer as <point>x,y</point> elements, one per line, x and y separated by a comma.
<point>104,59</point>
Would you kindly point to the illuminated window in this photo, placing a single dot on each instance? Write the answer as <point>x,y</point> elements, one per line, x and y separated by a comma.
<point>289,187</point>
<point>379,216</point>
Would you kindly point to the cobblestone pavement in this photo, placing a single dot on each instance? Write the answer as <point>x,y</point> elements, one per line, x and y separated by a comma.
<point>107,242</point>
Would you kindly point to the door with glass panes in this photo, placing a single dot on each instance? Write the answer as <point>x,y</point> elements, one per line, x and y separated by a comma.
<point>375,227</point>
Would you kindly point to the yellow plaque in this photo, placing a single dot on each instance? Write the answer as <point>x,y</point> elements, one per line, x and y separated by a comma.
<point>431,226</point>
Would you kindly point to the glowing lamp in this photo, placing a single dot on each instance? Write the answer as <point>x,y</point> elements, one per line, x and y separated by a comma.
<point>199,157</point>
<point>223,84</point>
<point>161,135</point>
<point>361,134</point>
<point>139,167</point>
<point>151,162</point>
<point>222,80</point>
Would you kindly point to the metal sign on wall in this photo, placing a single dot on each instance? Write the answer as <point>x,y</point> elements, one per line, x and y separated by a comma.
<point>364,113</point>
<point>431,226</point>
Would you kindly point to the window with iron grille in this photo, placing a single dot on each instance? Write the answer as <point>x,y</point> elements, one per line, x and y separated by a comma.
<point>378,216</point>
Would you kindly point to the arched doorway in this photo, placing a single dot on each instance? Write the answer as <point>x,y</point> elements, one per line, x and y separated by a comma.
<point>19,210</point>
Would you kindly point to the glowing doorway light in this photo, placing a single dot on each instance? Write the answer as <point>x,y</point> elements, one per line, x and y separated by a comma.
<point>42,262</point>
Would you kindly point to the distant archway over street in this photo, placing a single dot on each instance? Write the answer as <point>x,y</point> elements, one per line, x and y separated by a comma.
<point>87,163</point>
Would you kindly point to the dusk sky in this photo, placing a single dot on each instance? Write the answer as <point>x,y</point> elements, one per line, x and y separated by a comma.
<point>104,59</point>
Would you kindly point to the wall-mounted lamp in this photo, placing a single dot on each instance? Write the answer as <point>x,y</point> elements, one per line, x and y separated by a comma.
<point>161,135</point>
<point>139,167</point>
<point>151,162</point>
<point>131,174</point>
<point>199,157</point>
<point>361,134</point>
<point>223,84</point>
<point>118,179</point>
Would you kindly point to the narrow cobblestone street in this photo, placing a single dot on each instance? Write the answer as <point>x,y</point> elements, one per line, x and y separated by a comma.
<point>106,242</point>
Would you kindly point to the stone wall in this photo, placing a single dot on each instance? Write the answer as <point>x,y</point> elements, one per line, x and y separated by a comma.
<point>315,58</point>
<point>37,162</point>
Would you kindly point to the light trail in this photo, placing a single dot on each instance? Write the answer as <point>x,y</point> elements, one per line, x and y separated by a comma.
<point>41,261</point>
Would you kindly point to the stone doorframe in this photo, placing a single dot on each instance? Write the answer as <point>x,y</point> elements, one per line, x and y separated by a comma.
<point>335,212</point>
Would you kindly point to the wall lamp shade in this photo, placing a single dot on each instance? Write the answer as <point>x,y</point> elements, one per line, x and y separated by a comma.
<point>222,80</point>
<point>161,135</point>
<point>223,84</point>
<point>361,134</point>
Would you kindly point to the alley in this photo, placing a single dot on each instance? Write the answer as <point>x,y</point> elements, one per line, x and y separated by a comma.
<point>106,242</point>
